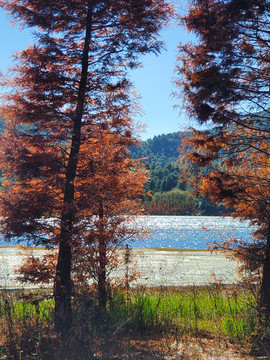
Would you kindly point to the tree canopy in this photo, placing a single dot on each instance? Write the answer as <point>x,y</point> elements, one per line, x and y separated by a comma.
<point>225,79</point>
<point>67,90</point>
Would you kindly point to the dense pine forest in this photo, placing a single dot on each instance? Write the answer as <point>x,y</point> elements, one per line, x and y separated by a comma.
<point>171,194</point>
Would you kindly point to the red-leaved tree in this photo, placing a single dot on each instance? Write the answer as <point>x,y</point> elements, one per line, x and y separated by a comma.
<point>65,88</point>
<point>112,196</point>
<point>225,79</point>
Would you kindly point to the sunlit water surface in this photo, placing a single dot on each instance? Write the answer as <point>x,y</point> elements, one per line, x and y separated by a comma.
<point>183,232</point>
<point>190,232</point>
<point>168,268</point>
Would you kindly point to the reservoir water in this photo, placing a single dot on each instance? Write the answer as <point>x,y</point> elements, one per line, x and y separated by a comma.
<point>190,232</point>
<point>186,232</point>
<point>159,267</point>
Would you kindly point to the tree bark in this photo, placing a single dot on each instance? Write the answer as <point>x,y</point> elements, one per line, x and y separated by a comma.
<point>63,287</point>
<point>102,283</point>
<point>265,286</point>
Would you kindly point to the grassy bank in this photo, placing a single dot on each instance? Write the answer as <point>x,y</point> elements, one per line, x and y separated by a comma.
<point>166,317</point>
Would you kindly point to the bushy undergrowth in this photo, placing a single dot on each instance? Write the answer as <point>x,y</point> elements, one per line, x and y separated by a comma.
<point>27,319</point>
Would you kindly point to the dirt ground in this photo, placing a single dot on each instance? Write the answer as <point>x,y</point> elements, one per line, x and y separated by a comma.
<point>183,349</point>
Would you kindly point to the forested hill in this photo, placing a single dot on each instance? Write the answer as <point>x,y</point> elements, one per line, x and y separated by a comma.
<point>170,197</point>
<point>160,149</point>
<point>161,153</point>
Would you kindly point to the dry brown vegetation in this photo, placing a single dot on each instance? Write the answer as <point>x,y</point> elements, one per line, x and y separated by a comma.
<point>161,323</point>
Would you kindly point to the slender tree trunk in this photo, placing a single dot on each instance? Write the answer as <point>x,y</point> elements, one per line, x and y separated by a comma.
<point>102,283</point>
<point>63,288</point>
<point>265,287</point>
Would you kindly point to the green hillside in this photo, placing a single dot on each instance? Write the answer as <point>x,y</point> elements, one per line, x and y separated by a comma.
<point>160,149</point>
<point>161,153</point>
<point>170,197</point>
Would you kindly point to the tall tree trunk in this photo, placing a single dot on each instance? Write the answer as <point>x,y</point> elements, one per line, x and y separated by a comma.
<point>102,283</point>
<point>63,288</point>
<point>265,286</point>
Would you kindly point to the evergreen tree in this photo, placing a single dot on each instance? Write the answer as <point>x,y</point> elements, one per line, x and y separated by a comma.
<point>65,87</point>
<point>225,78</point>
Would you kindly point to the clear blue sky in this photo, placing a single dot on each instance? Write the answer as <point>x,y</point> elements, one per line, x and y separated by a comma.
<point>154,81</point>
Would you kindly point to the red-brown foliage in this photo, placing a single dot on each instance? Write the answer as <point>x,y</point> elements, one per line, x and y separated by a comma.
<point>225,79</point>
<point>67,91</point>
